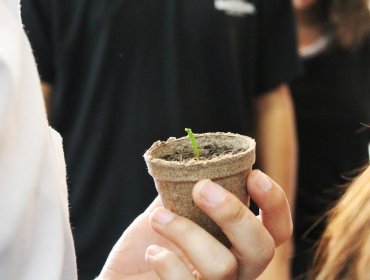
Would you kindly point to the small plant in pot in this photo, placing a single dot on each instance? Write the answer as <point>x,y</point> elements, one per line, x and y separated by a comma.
<point>177,164</point>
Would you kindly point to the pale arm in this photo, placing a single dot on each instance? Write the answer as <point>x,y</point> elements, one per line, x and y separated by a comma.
<point>277,154</point>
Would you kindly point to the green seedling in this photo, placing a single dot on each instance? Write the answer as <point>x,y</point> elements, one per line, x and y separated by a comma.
<point>193,142</point>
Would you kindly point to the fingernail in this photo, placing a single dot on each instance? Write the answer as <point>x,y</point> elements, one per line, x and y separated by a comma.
<point>262,181</point>
<point>162,216</point>
<point>153,250</point>
<point>210,191</point>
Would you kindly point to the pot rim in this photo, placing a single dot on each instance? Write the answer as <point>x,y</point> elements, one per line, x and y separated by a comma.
<point>198,169</point>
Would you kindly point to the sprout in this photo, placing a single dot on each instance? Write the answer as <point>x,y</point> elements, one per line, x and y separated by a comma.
<point>193,142</point>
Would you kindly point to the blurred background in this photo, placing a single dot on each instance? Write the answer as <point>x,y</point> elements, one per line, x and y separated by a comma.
<point>118,75</point>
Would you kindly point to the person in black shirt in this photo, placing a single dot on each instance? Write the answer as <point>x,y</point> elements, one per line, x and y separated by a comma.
<point>332,99</point>
<point>123,74</point>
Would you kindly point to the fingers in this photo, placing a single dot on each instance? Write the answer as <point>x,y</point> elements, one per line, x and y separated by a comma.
<point>252,243</point>
<point>167,264</point>
<point>273,204</point>
<point>209,257</point>
<point>131,246</point>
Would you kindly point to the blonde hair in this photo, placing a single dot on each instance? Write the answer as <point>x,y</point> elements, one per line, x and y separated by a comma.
<point>344,250</point>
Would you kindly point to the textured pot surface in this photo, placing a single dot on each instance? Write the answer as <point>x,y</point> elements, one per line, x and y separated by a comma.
<point>174,180</point>
<point>195,170</point>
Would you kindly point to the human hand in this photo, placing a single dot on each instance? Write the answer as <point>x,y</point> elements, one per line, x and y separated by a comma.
<point>162,244</point>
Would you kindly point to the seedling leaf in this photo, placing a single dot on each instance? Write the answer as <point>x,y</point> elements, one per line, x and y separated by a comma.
<point>193,142</point>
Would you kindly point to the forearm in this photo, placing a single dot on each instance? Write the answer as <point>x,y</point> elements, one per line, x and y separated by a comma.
<point>277,148</point>
<point>276,138</point>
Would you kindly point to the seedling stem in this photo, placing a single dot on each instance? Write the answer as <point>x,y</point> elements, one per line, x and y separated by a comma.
<point>193,142</point>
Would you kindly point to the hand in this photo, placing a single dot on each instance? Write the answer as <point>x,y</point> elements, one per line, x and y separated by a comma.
<point>162,244</point>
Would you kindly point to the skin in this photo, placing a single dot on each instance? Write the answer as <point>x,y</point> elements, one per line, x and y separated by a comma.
<point>277,154</point>
<point>309,28</point>
<point>300,5</point>
<point>161,244</point>
<point>282,112</point>
<point>47,90</point>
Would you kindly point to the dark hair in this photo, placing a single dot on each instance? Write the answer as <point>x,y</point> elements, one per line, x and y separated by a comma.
<point>347,20</point>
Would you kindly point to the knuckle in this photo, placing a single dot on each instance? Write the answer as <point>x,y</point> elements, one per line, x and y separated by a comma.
<point>226,268</point>
<point>236,212</point>
<point>184,230</point>
<point>284,235</point>
<point>166,262</point>
<point>268,252</point>
<point>178,228</point>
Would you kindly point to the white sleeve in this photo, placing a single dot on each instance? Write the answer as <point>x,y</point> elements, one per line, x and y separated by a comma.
<point>35,236</point>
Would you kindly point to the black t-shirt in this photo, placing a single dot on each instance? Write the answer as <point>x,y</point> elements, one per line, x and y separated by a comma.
<point>332,100</point>
<point>127,73</point>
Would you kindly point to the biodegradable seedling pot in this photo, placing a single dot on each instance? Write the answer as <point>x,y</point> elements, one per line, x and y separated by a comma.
<point>225,158</point>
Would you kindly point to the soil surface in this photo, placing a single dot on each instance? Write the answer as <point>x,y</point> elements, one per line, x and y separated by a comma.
<point>184,154</point>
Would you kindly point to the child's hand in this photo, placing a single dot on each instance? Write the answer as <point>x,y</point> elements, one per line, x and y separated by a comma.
<point>162,244</point>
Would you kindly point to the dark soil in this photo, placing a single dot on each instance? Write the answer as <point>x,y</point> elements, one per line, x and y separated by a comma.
<point>184,154</point>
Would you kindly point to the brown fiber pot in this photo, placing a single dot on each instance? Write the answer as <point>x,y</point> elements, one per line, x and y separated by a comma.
<point>174,179</point>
